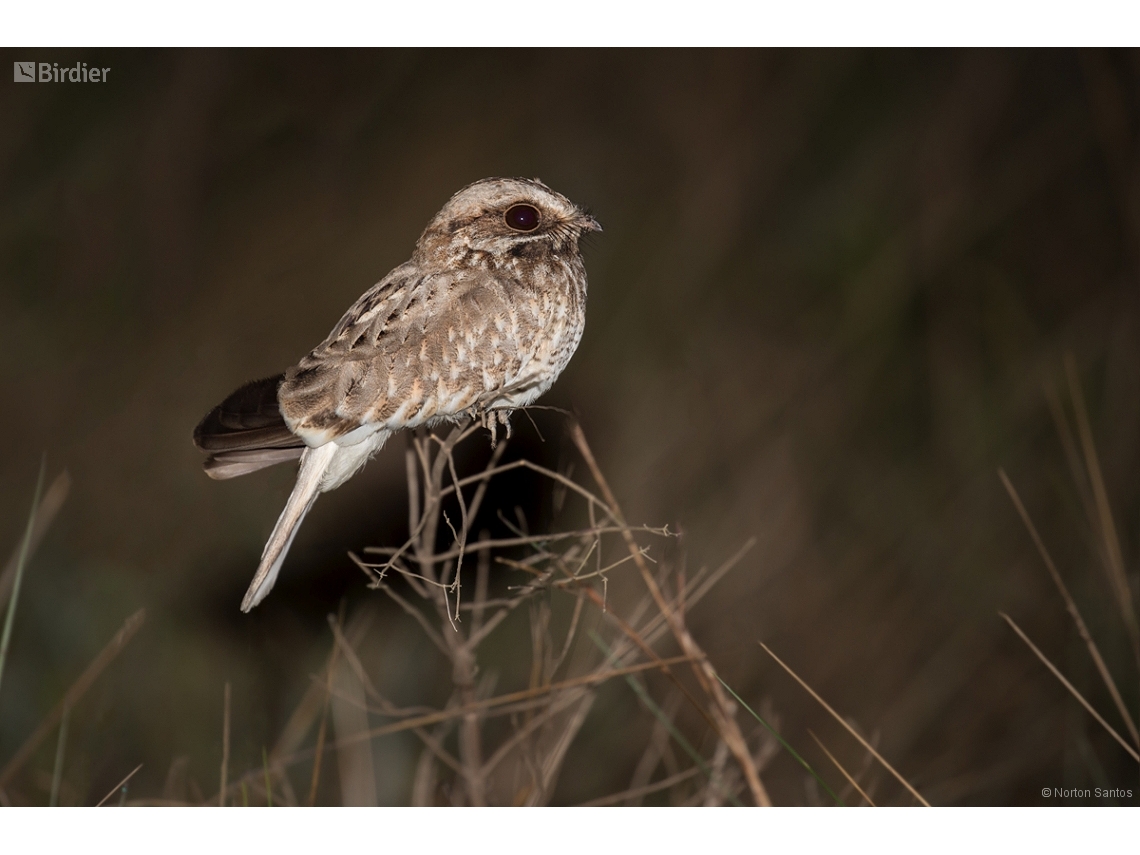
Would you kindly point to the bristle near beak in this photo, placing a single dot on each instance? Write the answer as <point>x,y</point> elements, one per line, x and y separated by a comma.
<point>587,223</point>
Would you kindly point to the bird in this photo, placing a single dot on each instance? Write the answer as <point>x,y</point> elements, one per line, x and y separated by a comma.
<point>481,320</point>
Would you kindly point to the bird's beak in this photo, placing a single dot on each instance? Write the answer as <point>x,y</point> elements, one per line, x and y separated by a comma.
<point>587,223</point>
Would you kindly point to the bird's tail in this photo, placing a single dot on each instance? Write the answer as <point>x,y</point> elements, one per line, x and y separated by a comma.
<point>314,463</point>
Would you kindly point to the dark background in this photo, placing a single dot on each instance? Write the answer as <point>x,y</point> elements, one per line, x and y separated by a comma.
<point>831,290</point>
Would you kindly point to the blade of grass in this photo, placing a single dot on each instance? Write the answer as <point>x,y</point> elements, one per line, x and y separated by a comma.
<point>848,727</point>
<point>225,744</point>
<point>1072,689</point>
<point>1069,446</point>
<point>330,669</point>
<point>122,785</point>
<point>25,551</point>
<point>660,715</point>
<point>1114,558</point>
<point>72,695</point>
<point>784,743</point>
<point>57,771</point>
<point>1074,612</point>
<point>268,785</point>
<point>839,766</point>
<point>46,512</point>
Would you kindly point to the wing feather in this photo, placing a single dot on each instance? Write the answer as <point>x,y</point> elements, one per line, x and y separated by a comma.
<point>247,432</point>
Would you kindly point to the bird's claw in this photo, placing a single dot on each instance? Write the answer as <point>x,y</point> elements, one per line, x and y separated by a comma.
<point>491,419</point>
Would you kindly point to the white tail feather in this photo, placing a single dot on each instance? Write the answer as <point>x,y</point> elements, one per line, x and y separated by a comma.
<point>314,463</point>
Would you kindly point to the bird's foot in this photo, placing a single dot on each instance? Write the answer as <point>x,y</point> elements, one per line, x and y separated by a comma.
<point>491,419</point>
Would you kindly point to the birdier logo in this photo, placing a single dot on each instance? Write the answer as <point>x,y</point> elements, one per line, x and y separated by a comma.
<point>50,72</point>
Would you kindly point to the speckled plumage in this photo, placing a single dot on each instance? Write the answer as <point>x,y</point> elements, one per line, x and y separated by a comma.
<point>482,319</point>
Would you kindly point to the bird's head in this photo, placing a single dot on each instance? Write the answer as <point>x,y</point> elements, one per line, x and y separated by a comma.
<point>504,219</point>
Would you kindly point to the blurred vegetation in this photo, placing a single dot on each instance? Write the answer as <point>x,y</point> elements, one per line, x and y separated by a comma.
<point>834,291</point>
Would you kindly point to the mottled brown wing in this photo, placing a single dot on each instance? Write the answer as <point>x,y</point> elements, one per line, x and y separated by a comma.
<point>410,342</point>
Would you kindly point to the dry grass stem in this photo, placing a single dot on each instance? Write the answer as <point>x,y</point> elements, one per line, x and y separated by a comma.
<point>519,758</point>
<point>119,786</point>
<point>846,726</point>
<point>1110,541</point>
<point>72,696</point>
<point>1071,605</point>
<point>44,513</point>
<point>1072,689</point>
<point>640,792</point>
<point>22,556</point>
<point>225,745</point>
<point>57,769</point>
<point>720,707</point>
<point>839,766</point>
<point>444,715</point>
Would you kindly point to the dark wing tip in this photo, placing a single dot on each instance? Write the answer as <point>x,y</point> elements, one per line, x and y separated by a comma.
<point>248,419</point>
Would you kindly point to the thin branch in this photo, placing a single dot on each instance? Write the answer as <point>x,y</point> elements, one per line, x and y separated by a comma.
<point>524,540</point>
<point>386,707</point>
<point>435,746</point>
<point>648,651</point>
<point>693,595</point>
<point>444,715</point>
<point>481,490</point>
<point>428,629</point>
<point>556,707</point>
<point>570,634</point>
<point>454,584</point>
<point>534,467</point>
<point>498,617</point>
<point>482,578</point>
<point>557,752</point>
<point>413,490</point>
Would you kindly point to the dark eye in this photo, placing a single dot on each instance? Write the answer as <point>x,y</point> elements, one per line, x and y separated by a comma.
<point>522,218</point>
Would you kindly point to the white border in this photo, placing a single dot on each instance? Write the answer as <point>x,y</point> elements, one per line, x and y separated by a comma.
<point>552,831</point>
<point>566,23</point>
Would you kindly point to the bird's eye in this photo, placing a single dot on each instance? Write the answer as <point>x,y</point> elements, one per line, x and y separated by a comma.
<point>522,218</point>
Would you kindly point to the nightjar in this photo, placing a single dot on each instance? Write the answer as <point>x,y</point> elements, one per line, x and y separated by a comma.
<point>482,319</point>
